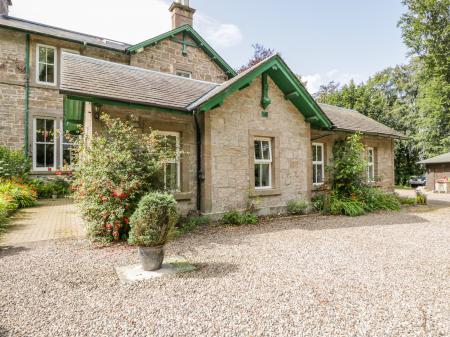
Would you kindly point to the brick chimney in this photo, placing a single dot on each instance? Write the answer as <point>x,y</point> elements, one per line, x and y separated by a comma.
<point>182,14</point>
<point>4,6</point>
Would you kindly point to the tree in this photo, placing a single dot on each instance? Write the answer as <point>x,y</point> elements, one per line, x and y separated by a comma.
<point>260,53</point>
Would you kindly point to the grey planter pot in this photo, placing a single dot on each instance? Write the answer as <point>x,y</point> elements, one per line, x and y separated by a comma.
<point>151,257</point>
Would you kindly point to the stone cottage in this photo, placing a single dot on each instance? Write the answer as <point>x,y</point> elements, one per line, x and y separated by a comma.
<point>258,134</point>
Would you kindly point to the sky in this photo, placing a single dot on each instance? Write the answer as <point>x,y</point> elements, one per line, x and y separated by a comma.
<point>322,40</point>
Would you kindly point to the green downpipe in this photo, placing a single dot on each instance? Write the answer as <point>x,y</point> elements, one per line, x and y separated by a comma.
<point>27,92</point>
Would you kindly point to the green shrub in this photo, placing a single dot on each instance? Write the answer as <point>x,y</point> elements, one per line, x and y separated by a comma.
<point>152,221</point>
<point>407,201</point>
<point>346,207</point>
<point>192,223</point>
<point>322,203</point>
<point>297,206</point>
<point>13,164</point>
<point>236,218</point>
<point>22,195</point>
<point>421,198</point>
<point>47,188</point>
<point>375,200</point>
<point>114,172</point>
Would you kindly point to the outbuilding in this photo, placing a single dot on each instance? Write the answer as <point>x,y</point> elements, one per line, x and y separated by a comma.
<point>438,172</point>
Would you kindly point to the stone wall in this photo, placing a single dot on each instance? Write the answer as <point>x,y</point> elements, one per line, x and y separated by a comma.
<point>229,154</point>
<point>167,57</point>
<point>384,155</point>
<point>153,119</point>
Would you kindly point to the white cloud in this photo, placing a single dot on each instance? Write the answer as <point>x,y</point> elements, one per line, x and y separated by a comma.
<point>314,81</point>
<point>131,21</point>
<point>222,35</point>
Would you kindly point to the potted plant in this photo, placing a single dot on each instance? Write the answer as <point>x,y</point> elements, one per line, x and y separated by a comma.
<point>150,224</point>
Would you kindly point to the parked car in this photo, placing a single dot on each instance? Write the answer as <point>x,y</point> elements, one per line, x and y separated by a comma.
<point>416,181</point>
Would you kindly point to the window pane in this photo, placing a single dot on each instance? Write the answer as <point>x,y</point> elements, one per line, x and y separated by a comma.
<point>42,73</point>
<point>314,174</point>
<point>50,132</point>
<point>50,56</point>
<point>265,175</point>
<point>314,153</point>
<point>171,177</point>
<point>319,174</point>
<point>319,153</point>
<point>266,149</point>
<point>257,175</point>
<point>40,155</point>
<point>49,155</point>
<point>67,154</point>
<point>40,130</point>
<point>258,154</point>
<point>42,54</point>
<point>50,74</point>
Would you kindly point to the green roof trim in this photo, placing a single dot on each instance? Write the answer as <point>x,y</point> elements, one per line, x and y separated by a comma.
<point>196,37</point>
<point>283,77</point>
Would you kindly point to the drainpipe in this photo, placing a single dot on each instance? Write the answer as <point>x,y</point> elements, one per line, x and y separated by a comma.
<point>27,92</point>
<point>199,136</point>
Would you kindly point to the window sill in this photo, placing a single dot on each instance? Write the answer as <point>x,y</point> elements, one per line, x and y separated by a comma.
<point>265,193</point>
<point>182,196</point>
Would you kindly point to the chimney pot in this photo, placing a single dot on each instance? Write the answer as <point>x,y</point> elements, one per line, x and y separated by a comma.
<point>4,6</point>
<point>182,13</point>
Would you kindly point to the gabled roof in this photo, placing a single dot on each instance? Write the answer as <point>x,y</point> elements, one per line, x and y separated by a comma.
<point>83,76</point>
<point>351,120</point>
<point>442,159</point>
<point>68,35</point>
<point>284,78</point>
<point>187,29</point>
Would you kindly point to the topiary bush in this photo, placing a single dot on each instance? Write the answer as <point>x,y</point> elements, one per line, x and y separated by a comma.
<point>297,206</point>
<point>153,219</point>
<point>13,164</point>
<point>115,169</point>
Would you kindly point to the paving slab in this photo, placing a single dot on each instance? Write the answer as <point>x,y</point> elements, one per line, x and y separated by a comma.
<point>171,266</point>
<point>49,220</point>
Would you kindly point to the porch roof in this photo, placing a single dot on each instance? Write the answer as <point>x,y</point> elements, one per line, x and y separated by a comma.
<point>352,120</point>
<point>89,77</point>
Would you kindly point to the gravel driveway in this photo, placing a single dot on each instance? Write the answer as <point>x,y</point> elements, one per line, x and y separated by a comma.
<point>385,274</point>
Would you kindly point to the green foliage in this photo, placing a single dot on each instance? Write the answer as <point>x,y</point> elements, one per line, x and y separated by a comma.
<point>421,199</point>
<point>13,164</point>
<point>113,173</point>
<point>235,218</point>
<point>297,206</point>
<point>153,219</point>
<point>192,223</point>
<point>346,207</point>
<point>374,199</point>
<point>407,201</point>
<point>21,194</point>
<point>348,166</point>
<point>47,188</point>
<point>322,203</point>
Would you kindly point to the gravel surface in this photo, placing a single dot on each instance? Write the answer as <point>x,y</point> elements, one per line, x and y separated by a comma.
<point>385,274</point>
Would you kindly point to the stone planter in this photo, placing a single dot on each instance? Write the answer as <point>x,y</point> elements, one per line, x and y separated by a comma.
<point>54,196</point>
<point>151,257</point>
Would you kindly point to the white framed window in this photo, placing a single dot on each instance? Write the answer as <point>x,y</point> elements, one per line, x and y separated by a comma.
<point>263,163</point>
<point>67,143</point>
<point>318,164</point>
<point>46,64</point>
<point>44,144</point>
<point>172,167</point>
<point>370,164</point>
<point>183,73</point>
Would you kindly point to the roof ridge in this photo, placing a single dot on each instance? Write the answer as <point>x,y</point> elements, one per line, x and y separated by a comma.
<point>127,66</point>
<point>66,30</point>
